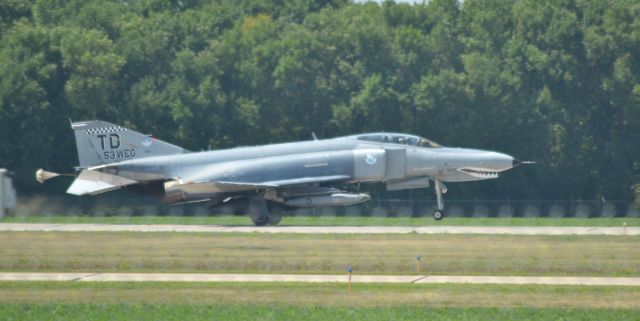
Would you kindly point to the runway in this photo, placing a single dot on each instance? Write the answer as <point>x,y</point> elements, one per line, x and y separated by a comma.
<point>415,279</point>
<point>506,230</point>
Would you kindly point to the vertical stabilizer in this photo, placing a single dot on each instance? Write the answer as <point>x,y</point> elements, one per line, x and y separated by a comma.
<point>99,142</point>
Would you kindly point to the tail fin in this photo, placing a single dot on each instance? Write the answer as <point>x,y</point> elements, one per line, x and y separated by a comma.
<point>99,143</point>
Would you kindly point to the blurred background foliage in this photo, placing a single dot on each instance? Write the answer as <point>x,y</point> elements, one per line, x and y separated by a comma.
<point>555,81</point>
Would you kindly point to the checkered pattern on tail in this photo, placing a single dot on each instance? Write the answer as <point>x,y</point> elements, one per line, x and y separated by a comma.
<point>104,130</point>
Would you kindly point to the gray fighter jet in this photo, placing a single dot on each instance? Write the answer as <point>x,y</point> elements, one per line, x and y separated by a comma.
<point>272,178</point>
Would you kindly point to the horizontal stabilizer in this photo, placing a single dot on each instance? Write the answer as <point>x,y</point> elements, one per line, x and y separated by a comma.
<point>93,182</point>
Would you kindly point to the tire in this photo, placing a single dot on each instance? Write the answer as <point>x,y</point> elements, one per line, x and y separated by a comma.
<point>260,220</point>
<point>274,219</point>
<point>438,215</point>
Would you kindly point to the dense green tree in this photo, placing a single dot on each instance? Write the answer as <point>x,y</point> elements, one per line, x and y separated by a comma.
<point>32,112</point>
<point>553,81</point>
<point>12,10</point>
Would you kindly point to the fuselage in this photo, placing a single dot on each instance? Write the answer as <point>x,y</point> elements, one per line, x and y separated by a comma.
<point>353,159</point>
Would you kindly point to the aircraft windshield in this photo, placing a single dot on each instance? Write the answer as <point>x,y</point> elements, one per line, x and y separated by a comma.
<point>399,139</point>
<point>427,143</point>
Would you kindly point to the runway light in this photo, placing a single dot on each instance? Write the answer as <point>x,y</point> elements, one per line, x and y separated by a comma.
<point>624,228</point>
<point>418,258</point>
<point>349,270</point>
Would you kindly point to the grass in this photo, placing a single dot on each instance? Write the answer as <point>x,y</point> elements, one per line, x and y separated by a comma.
<point>322,295</point>
<point>327,220</point>
<point>320,254</point>
<point>286,253</point>
<point>182,312</point>
<point>70,301</point>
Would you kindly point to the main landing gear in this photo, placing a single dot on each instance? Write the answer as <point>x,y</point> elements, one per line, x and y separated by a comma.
<point>263,212</point>
<point>266,220</point>
<point>440,189</point>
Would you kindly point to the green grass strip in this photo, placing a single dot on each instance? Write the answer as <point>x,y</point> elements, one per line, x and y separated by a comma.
<point>182,312</point>
<point>334,295</point>
<point>320,254</point>
<point>327,220</point>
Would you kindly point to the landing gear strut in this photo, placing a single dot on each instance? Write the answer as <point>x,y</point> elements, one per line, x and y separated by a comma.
<point>440,189</point>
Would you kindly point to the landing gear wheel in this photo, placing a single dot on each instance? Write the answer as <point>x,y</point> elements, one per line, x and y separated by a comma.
<point>274,219</point>
<point>276,211</point>
<point>438,215</point>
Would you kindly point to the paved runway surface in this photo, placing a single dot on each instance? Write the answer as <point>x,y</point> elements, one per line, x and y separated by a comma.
<point>188,277</point>
<point>511,230</point>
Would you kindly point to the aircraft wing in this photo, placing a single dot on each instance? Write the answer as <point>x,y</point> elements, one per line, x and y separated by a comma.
<point>94,182</point>
<point>309,180</point>
<point>211,186</point>
<point>235,186</point>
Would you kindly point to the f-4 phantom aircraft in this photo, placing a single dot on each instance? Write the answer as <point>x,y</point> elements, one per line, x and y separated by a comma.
<point>272,178</point>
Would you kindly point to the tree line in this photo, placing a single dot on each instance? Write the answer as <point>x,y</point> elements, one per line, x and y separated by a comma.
<point>555,81</point>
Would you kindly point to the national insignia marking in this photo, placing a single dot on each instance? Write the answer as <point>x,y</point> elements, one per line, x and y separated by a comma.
<point>370,159</point>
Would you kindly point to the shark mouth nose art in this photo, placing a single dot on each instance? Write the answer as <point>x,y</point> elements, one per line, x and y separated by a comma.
<point>479,172</point>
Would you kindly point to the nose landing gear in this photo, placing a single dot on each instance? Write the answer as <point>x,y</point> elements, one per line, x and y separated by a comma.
<point>440,189</point>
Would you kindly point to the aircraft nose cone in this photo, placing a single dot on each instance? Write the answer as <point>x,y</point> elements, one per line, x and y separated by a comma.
<point>499,161</point>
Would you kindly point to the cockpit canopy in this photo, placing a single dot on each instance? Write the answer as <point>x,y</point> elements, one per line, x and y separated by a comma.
<point>396,138</point>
